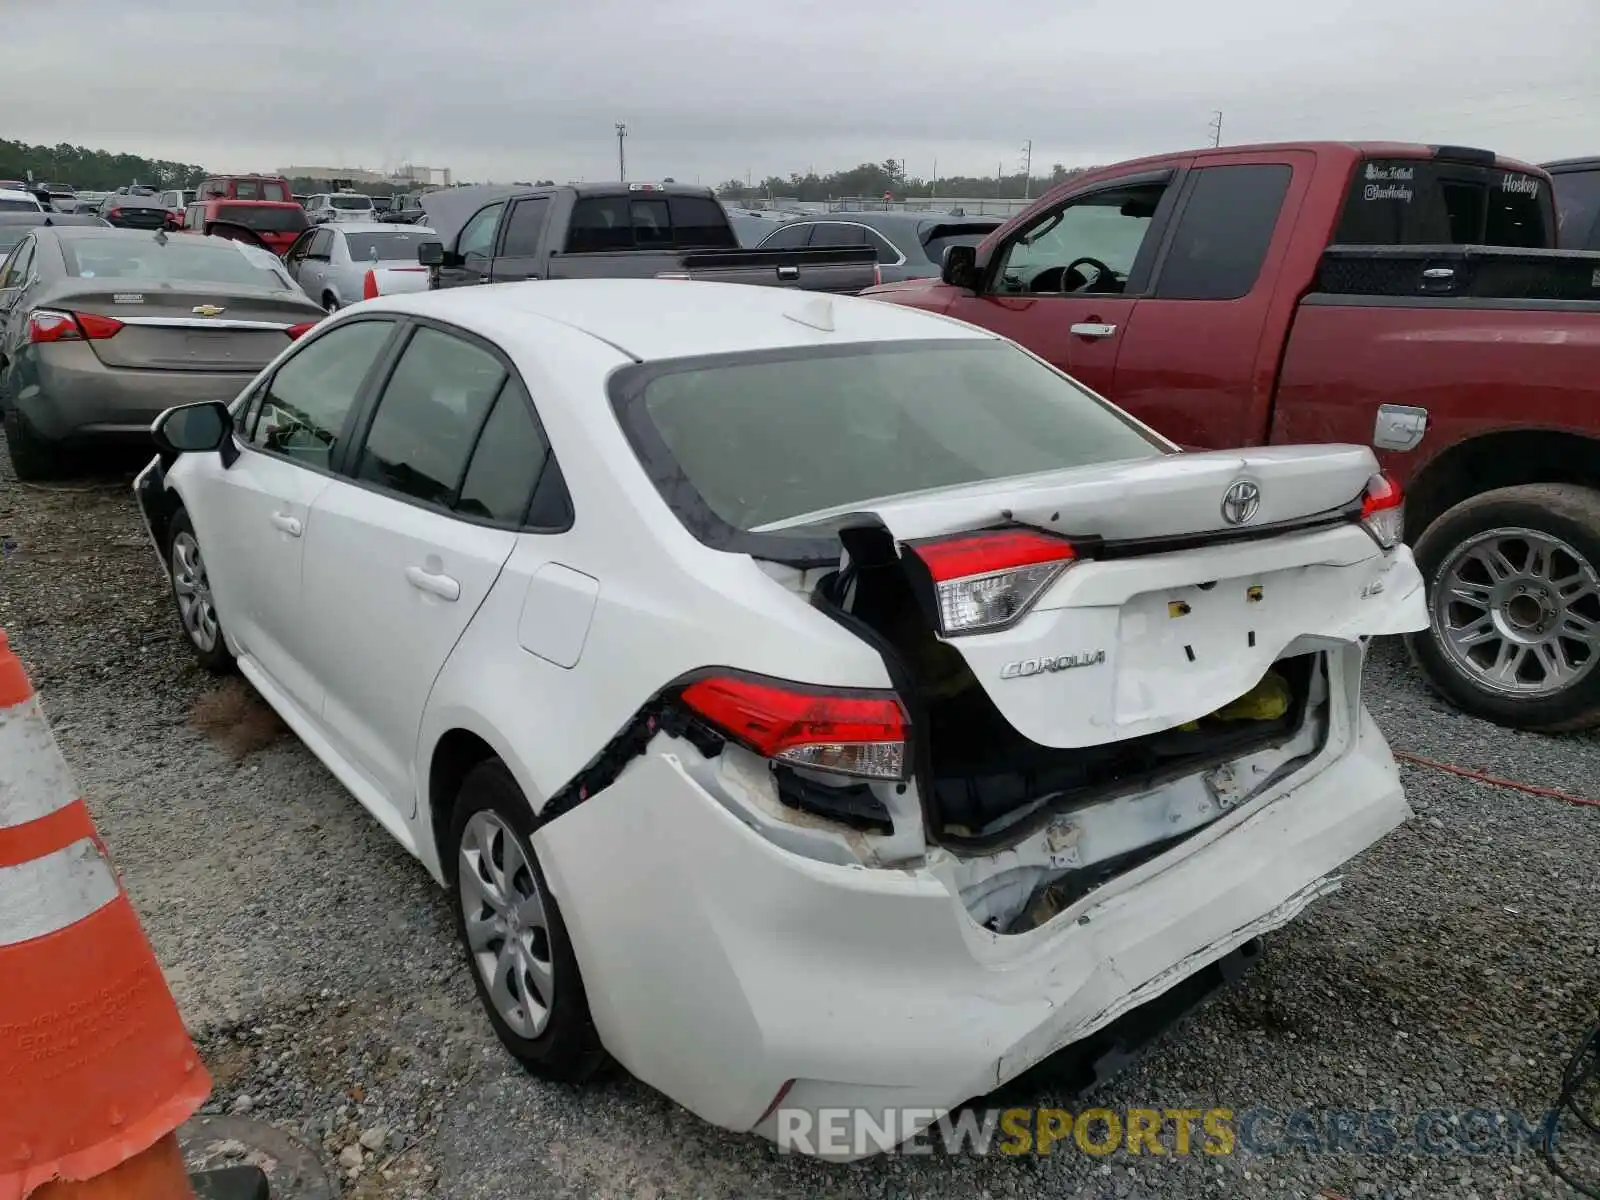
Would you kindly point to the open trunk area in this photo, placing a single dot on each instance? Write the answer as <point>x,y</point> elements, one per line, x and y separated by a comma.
<point>987,783</point>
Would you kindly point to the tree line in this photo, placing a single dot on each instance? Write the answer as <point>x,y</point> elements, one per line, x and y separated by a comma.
<point>874,179</point>
<point>92,170</point>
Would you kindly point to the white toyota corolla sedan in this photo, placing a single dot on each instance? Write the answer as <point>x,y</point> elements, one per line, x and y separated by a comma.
<point>810,703</point>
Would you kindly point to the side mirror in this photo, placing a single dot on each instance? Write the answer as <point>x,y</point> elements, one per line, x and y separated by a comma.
<point>430,254</point>
<point>959,267</point>
<point>192,428</point>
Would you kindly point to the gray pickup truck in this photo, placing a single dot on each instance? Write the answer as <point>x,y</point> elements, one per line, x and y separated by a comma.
<point>493,234</point>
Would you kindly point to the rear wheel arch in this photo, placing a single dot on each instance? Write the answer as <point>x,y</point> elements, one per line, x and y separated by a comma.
<point>1509,458</point>
<point>466,741</point>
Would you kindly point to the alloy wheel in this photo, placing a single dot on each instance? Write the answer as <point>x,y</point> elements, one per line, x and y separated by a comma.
<point>508,932</point>
<point>193,589</point>
<point>1518,612</point>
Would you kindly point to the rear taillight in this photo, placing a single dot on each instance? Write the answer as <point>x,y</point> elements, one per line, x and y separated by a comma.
<point>50,325</point>
<point>369,286</point>
<point>296,332</point>
<point>877,275</point>
<point>846,732</point>
<point>988,581</point>
<point>1383,511</point>
<point>115,212</point>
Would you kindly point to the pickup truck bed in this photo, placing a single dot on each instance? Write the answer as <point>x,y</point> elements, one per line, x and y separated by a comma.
<point>1406,296</point>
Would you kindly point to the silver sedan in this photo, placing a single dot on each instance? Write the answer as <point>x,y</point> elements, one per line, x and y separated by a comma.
<point>330,262</point>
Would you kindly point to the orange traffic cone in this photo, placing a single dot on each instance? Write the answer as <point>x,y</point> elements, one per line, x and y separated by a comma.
<point>96,1069</point>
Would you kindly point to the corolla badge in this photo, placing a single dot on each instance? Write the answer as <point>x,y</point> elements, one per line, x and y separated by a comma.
<point>1056,662</point>
<point>1241,502</point>
<point>208,310</point>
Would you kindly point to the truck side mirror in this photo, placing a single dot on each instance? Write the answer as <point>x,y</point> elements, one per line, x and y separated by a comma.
<point>430,254</point>
<point>959,267</point>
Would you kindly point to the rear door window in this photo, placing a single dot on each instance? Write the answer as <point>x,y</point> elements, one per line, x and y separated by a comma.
<point>1422,202</point>
<point>312,394</point>
<point>700,223</point>
<point>1224,231</point>
<point>838,234</point>
<point>509,458</point>
<point>428,417</point>
<point>603,224</point>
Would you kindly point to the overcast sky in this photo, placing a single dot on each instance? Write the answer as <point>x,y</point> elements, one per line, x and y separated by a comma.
<point>710,89</point>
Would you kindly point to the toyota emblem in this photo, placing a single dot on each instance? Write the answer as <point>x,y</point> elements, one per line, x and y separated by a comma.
<point>1241,503</point>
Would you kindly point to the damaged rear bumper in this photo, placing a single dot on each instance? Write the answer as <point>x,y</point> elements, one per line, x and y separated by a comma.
<point>720,967</point>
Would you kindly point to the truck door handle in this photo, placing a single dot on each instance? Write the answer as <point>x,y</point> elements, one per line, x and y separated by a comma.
<point>289,525</point>
<point>441,586</point>
<point>1093,329</point>
<point>788,272</point>
<point>483,279</point>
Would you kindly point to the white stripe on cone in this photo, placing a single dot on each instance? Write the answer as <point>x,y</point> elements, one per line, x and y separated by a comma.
<point>34,778</point>
<point>46,895</point>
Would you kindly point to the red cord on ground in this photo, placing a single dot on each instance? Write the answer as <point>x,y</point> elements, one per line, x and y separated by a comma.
<point>1496,781</point>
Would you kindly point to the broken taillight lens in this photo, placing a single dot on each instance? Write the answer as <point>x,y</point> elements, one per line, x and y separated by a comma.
<point>47,325</point>
<point>988,581</point>
<point>846,732</point>
<point>1383,511</point>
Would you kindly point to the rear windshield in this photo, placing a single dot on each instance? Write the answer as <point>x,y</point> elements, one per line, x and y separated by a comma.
<point>936,238</point>
<point>364,247</point>
<point>18,206</point>
<point>781,438</point>
<point>264,218</point>
<point>641,221</point>
<point>180,260</point>
<point>350,202</point>
<point>1424,202</point>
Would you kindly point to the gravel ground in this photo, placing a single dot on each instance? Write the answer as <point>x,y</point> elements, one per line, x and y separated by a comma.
<point>316,965</point>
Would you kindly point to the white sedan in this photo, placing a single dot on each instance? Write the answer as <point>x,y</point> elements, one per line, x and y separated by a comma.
<point>812,703</point>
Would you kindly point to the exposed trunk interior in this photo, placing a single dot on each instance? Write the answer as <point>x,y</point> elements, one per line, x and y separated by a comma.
<point>985,785</point>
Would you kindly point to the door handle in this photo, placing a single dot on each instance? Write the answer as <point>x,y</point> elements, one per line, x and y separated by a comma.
<point>788,272</point>
<point>441,586</point>
<point>483,279</point>
<point>289,525</point>
<point>1093,329</point>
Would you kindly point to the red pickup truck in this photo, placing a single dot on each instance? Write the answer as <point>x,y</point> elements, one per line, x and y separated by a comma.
<point>1409,297</point>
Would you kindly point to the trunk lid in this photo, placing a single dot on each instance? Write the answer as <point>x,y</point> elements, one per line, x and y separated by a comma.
<point>190,329</point>
<point>1170,610</point>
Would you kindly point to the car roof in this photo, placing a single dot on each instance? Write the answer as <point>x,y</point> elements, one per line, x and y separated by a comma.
<point>651,319</point>
<point>1563,166</point>
<point>875,219</point>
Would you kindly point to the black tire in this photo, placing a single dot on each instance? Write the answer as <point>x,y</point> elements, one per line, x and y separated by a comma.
<point>1564,511</point>
<point>32,457</point>
<point>568,1048</point>
<point>215,658</point>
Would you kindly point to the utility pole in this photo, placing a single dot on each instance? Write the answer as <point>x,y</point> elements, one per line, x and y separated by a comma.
<point>933,184</point>
<point>1027,168</point>
<point>1216,127</point>
<point>622,161</point>
<point>999,180</point>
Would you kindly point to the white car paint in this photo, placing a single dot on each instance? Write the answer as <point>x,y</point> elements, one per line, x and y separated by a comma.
<point>734,949</point>
<point>17,201</point>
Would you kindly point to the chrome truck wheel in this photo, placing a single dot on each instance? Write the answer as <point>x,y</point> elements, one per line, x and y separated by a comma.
<point>1514,596</point>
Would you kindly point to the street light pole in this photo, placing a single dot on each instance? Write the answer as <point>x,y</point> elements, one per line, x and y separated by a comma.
<point>622,161</point>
